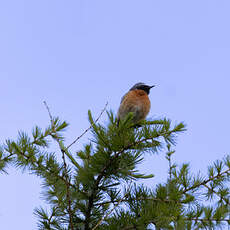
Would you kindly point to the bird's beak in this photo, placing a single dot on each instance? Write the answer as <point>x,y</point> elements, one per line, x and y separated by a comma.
<point>151,86</point>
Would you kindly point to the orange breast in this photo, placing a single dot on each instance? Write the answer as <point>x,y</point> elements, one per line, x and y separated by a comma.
<point>136,101</point>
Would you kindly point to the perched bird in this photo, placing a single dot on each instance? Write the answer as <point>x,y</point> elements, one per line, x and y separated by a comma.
<point>135,101</point>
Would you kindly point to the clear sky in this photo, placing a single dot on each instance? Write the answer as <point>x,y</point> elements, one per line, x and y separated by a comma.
<point>77,55</point>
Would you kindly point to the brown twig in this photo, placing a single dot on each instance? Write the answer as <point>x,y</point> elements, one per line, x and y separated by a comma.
<point>103,110</point>
<point>206,181</point>
<point>140,199</point>
<point>217,194</point>
<point>67,181</point>
<point>48,109</point>
<point>67,190</point>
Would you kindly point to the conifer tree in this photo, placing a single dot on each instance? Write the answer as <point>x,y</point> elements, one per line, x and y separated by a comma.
<point>98,187</point>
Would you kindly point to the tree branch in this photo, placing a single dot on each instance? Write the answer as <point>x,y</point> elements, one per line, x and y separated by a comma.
<point>103,110</point>
<point>102,173</point>
<point>139,199</point>
<point>206,181</point>
<point>65,169</point>
<point>115,206</point>
<point>217,194</point>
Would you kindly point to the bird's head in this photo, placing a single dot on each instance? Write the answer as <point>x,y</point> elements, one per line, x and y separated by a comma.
<point>142,86</point>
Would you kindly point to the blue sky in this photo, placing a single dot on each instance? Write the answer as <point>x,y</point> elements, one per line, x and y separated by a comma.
<point>77,55</point>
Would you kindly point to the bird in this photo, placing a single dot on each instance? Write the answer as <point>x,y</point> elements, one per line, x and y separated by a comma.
<point>136,100</point>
